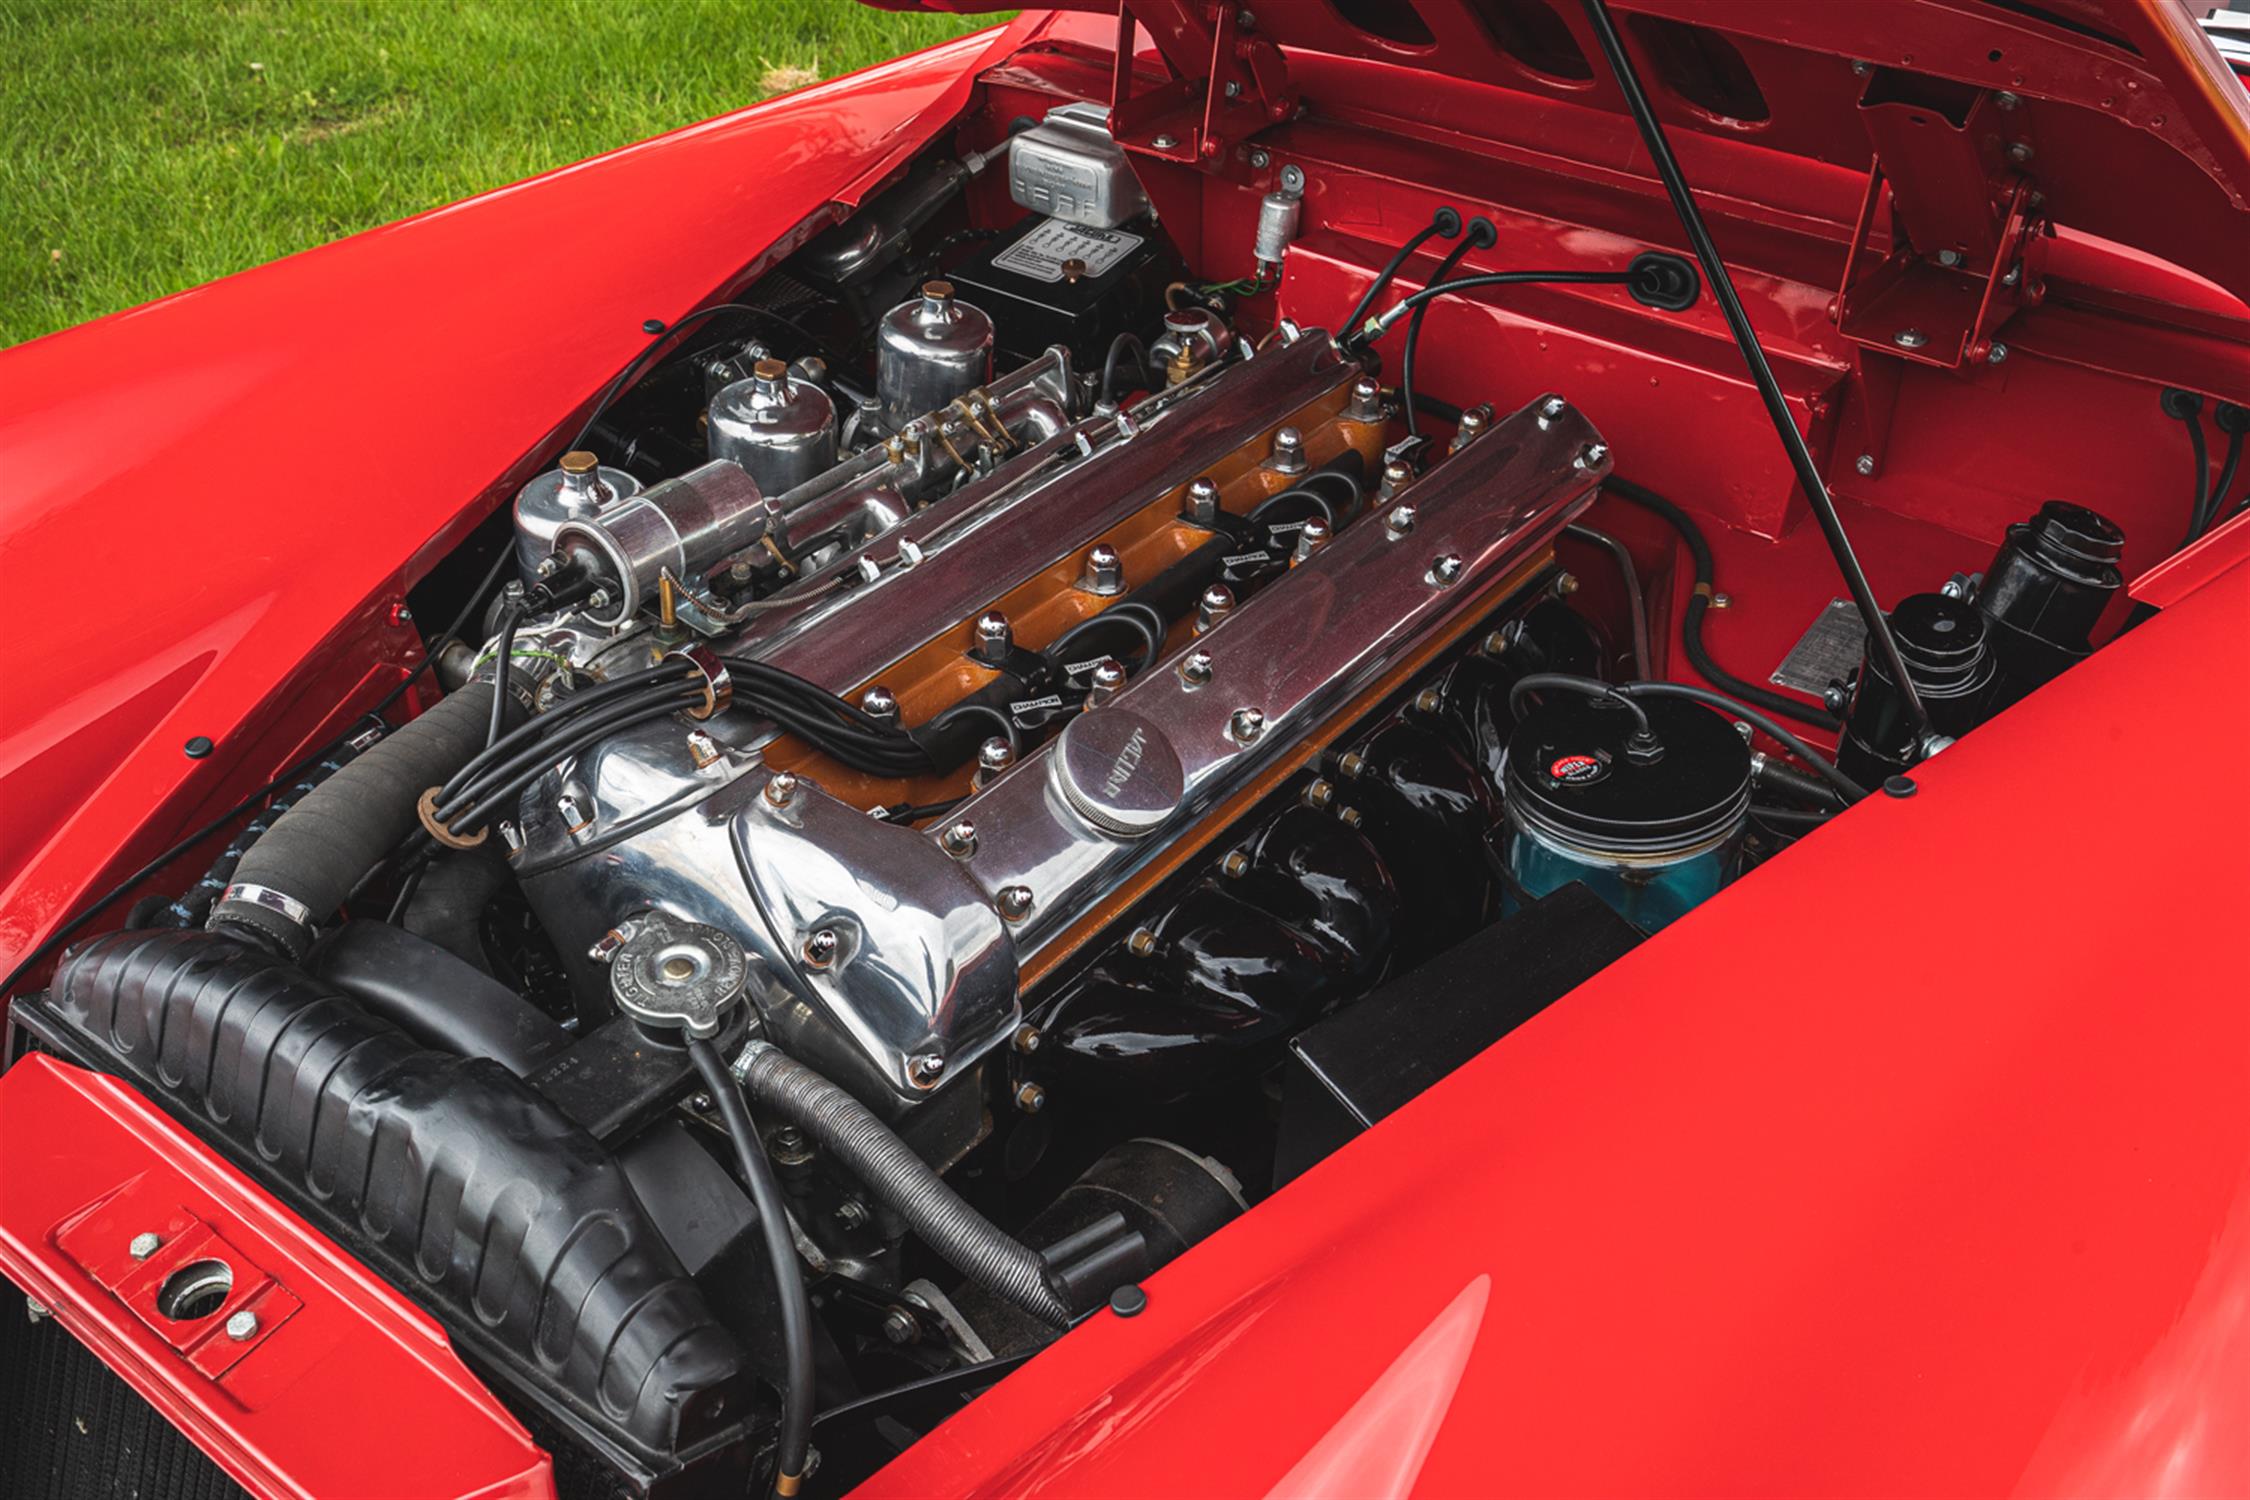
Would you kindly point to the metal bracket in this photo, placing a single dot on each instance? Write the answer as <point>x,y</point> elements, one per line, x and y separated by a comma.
<point>1963,206</point>
<point>1224,82</point>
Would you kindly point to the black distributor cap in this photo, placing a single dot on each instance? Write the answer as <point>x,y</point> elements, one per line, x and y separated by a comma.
<point>1570,772</point>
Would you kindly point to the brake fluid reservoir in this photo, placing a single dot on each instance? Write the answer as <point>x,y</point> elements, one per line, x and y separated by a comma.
<point>1652,838</point>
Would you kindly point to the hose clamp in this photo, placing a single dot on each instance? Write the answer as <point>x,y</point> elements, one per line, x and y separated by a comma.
<point>280,902</point>
<point>427,809</point>
<point>718,682</point>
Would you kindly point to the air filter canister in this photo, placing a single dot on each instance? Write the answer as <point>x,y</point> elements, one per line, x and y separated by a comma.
<point>1652,837</point>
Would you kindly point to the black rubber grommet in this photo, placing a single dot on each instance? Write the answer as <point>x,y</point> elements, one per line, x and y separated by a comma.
<point>1898,786</point>
<point>652,325</point>
<point>198,747</point>
<point>1665,281</point>
<point>1128,1301</point>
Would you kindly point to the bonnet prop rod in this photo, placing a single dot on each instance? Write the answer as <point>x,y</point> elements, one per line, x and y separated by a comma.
<point>1769,389</point>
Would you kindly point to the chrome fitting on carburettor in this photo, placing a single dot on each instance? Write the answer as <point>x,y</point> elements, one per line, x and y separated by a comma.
<point>682,527</point>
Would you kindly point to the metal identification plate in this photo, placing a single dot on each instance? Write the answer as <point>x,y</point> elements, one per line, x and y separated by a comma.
<point>1828,651</point>
<point>1041,253</point>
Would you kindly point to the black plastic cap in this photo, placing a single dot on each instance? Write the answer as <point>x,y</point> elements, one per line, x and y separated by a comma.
<point>198,747</point>
<point>1128,1301</point>
<point>1664,280</point>
<point>1898,786</point>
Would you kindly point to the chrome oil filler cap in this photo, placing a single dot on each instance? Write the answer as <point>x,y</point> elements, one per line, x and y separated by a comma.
<point>1116,770</point>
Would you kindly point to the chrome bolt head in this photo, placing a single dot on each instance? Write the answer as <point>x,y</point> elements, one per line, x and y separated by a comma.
<point>1551,411</point>
<point>243,1326</point>
<point>1447,570</point>
<point>1311,537</point>
<point>702,749</point>
<point>1592,456</point>
<point>1399,521</point>
<point>1864,464</point>
<point>959,839</point>
<point>144,1245</point>
<point>993,757</point>
<point>924,1070</point>
<point>1910,338</point>
<point>1165,141</point>
<point>781,788</point>
<point>1396,476</point>
<point>1202,502</point>
<point>821,947</point>
<point>1108,679</point>
<point>1215,605</point>
<point>571,808</point>
<point>1246,726</point>
<point>1288,451</point>
<point>1195,668</point>
<point>1997,354</point>
<point>1472,425</point>
<point>1367,400</point>
<point>1104,573</point>
<point>1015,902</point>
<point>995,636</point>
<point>879,702</point>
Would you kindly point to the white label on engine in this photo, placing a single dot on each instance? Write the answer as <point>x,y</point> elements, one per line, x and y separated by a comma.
<point>1041,253</point>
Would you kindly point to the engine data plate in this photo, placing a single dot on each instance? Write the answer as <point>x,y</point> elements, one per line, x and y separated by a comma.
<point>1828,651</point>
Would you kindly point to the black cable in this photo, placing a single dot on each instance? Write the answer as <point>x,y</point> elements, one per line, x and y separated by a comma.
<point>2208,515</point>
<point>1699,604</point>
<point>1851,789</point>
<point>1591,687</point>
<point>503,668</point>
<point>1446,221</point>
<point>1119,345</point>
<point>1404,305</point>
<point>2191,416</point>
<point>1007,723</point>
<point>794,1440</point>
<point>1879,638</point>
<point>640,361</point>
<point>1446,267</point>
<point>1064,648</point>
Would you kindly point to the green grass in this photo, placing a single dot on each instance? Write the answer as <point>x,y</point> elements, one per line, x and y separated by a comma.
<point>149,145</point>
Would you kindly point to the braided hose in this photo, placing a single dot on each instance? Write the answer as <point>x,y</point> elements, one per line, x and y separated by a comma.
<point>966,1239</point>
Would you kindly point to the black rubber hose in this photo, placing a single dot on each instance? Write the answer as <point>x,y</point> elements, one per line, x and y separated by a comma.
<point>1778,777</point>
<point>891,1170</point>
<point>1851,789</point>
<point>2192,419</point>
<point>1590,687</point>
<point>449,902</point>
<point>315,853</point>
<point>795,1438</point>
<point>2215,503</point>
<point>1699,603</point>
<point>1117,346</point>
